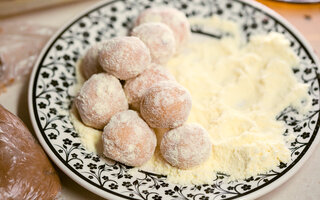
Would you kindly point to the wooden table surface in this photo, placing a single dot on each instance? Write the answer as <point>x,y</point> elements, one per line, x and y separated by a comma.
<point>305,17</point>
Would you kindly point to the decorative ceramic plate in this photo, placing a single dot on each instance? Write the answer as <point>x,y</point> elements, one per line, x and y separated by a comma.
<point>52,89</point>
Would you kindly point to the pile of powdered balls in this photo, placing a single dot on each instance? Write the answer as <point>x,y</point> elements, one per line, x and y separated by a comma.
<point>155,99</point>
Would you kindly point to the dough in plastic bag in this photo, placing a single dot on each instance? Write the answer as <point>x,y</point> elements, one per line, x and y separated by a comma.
<point>25,170</point>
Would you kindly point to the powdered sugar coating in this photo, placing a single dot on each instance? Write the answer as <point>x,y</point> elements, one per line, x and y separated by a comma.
<point>136,87</point>
<point>90,64</point>
<point>165,105</point>
<point>124,57</point>
<point>100,97</point>
<point>172,17</point>
<point>186,146</point>
<point>128,139</point>
<point>159,38</point>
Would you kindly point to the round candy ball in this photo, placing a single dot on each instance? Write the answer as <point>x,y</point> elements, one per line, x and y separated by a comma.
<point>186,146</point>
<point>159,38</point>
<point>172,17</point>
<point>90,64</point>
<point>124,57</point>
<point>128,139</point>
<point>165,105</point>
<point>136,87</point>
<point>100,97</point>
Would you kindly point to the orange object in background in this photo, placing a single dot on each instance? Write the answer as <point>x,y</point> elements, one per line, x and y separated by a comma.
<point>305,17</point>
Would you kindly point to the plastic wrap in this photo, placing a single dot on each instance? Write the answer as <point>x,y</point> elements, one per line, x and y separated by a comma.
<point>25,170</point>
<point>20,44</point>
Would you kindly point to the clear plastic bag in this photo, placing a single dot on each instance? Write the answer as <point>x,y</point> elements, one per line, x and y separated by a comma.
<point>20,44</point>
<point>25,170</point>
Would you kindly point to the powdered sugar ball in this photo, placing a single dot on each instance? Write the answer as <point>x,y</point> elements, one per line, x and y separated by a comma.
<point>124,57</point>
<point>135,88</point>
<point>159,38</point>
<point>128,139</point>
<point>165,105</point>
<point>172,17</point>
<point>90,64</point>
<point>186,146</point>
<point>100,97</point>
